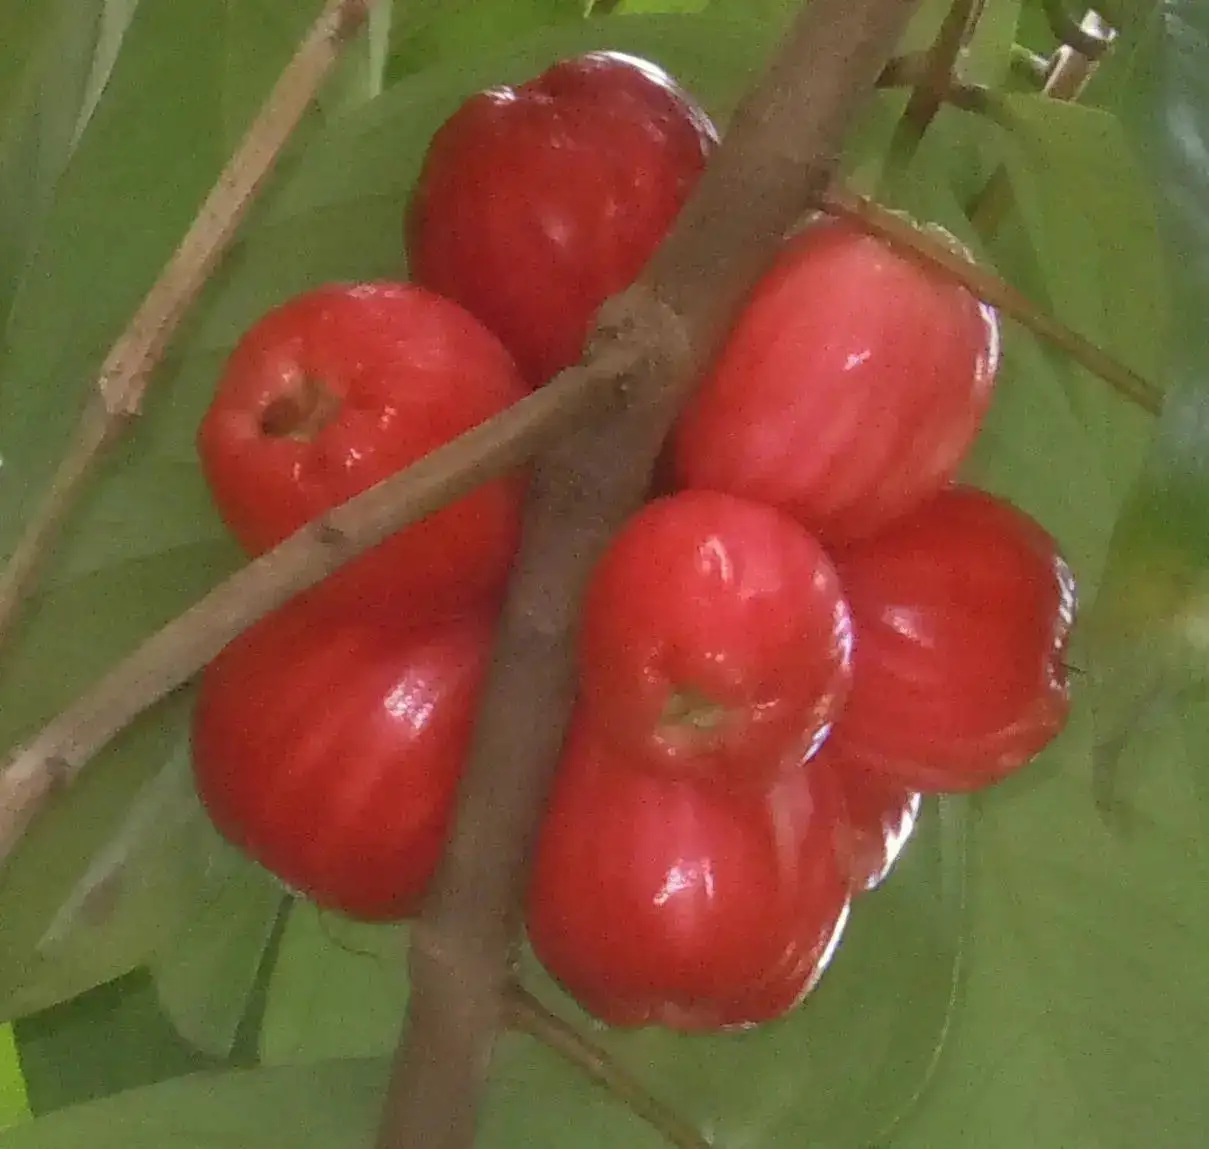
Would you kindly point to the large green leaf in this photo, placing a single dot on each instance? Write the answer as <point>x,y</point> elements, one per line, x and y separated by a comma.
<point>1084,1022</point>
<point>839,1071</point>
<point>535,1101</point>
<point>1147,637</point>
<point>146,542</point>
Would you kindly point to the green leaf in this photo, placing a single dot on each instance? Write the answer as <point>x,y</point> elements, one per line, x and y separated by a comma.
<point>14,1105</point>
<point>435,31</point>
<point>1083,1021</point>
<point>1089,212</point>
<point>843,1068</point>
<point>1146,639</point>
<point>146,543</point>
<point>338,989</point>
<point>986,58</point>
<point>112,1038</point>
<point>52,58</point>
<point>123,873</point>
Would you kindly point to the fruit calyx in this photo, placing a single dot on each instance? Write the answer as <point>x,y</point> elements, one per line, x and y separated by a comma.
<point>301,412</point>
<point>690,709</point>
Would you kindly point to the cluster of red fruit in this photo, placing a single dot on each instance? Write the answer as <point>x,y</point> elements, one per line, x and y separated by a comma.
<point>776,658</point>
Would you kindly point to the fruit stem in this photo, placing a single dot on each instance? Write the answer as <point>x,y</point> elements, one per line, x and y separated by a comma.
<point>528,1015</point>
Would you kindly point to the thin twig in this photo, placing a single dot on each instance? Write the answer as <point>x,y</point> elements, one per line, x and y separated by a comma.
<point>1069,73</point>
<point>779,154</point>
<point>52,759</point>
<point>929,93</point>
<point>526,1014</point>
<point>124,374</point>
<point>989,287</point>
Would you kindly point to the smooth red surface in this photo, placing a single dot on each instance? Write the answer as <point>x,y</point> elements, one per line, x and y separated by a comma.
<point>962,615</point>
<point>879,818</point>
<point>536,203</point>
<point>715,639</point>
<point>410,372</point>
<point>849,390</point>
<point>329,749</point>
<point>657,900</point>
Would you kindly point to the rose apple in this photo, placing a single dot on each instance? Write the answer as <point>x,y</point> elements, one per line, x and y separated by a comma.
<point>849,389</point>
<point>339,388</point>
<point>715,639</point>
<point>879,818</point>
<point>664,900</point>
<point>329,749</point>
<point>962,614</point>
<point>536,203</point>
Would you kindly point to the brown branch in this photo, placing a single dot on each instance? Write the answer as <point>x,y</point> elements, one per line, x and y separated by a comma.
<point>992,289</point>
<point>52,759</point>
<point>528,1015</point>
<point>928,95</point>
<point>778,156</point>
<point>1069,73</point>
<point>125,371</point>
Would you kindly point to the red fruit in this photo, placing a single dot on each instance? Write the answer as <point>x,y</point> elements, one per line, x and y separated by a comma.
<point>341,387</point>
<point>715,639</point>
<point>330,748</point>
<point>879,818</point>
<point>537,203</point>
<point>962,614</point>
<point>848,391</point>
<point>663,900</point>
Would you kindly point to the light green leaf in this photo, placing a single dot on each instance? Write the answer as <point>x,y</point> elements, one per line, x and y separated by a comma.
<point>210,959</point>
<point>338,989</point>
<point>435,31</point>
<point>52,58</point>
<point>986,58</point>
<point>14,1105</point>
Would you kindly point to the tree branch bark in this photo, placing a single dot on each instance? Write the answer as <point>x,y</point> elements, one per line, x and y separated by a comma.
<point>779,154</point>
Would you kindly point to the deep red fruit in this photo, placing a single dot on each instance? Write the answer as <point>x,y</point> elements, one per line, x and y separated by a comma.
<point>879,818</point>
<point>341,387</point>
<point>538,202</point>
<point>329,749</point>
<point>715,639</point>
<point>666,901</point>
<point>849,390</point>
<point>962,615</point>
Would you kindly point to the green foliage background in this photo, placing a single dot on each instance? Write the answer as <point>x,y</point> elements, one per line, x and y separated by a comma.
<point>1035,972</point>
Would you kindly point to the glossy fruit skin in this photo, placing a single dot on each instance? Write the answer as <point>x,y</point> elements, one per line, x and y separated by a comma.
<point>715,640</point>
<point>388,372</point>
<point>880,816</point>
<point>658,900</point>
<point>849,390</point>
<point>963,612</point>
<point>538,202</point>
<point>329,749</point>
